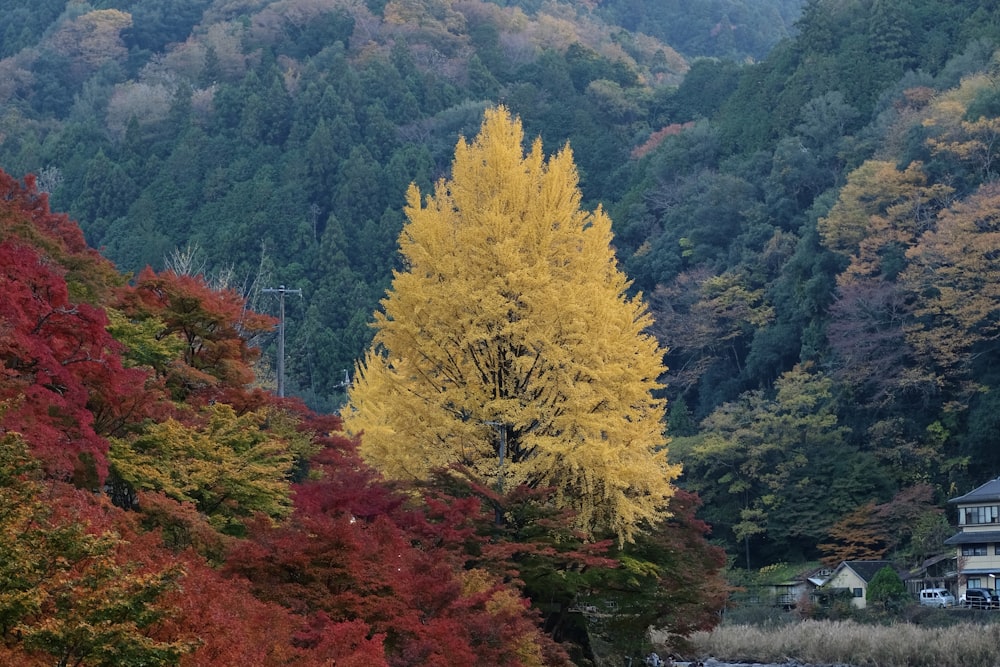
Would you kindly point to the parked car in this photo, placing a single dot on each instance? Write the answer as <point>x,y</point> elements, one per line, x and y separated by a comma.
<point>980,598</point>
<point>936,597</point>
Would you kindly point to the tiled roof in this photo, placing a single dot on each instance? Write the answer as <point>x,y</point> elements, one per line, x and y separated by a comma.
<point>974,537</point>
<point>988,492</point>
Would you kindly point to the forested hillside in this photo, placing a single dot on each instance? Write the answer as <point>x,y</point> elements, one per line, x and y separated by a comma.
<point>731,29</point>
<point>820,250</point>
<point>272,142</point>
<point>810,218</point>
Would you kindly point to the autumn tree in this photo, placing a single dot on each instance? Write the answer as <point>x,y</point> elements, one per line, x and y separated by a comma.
<point>508,343</point>
<point>93,39</point>
<point>62,371</point>
<point>368,571</point>
<point>213,330</point>
<point>880,211</point>
<point>874,530</point>
<point>962,127</point>
<point>235,628</point>
<point>952,269</point>
<point>25,215</point>
<point>230,466</point>
<point>855,537</point>
<point>72,591</point>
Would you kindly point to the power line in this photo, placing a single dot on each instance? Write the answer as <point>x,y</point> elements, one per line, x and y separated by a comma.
<point>281,290</point>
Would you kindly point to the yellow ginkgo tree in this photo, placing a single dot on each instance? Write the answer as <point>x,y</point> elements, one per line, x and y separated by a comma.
<point>508,343</point>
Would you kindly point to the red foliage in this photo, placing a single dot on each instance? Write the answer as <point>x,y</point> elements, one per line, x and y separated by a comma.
<point>61,372</point>
<point>25,215</point>
<point>349,487</point>
<point>344,557</point>
<point>345,644</point>
<point>215,326</point>
<point>61,368</point>
<point>232,626</point>
<point>218,616</point>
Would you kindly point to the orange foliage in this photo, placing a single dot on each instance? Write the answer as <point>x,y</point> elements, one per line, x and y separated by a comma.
<point>656,138</point>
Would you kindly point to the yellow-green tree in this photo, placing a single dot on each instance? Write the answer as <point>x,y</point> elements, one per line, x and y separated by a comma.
<point>508,344</point>
<point>230,467</point>
<point>962,128</point>
<point>880,211</point>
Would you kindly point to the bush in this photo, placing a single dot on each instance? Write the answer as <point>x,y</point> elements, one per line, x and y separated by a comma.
<point>886,592</point>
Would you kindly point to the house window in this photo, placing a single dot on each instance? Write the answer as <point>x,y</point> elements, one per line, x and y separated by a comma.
<point>974,583</point>
<point>979,515</point>
<point>996,549</point>
<point>973,549</point>
<point>859,592</point>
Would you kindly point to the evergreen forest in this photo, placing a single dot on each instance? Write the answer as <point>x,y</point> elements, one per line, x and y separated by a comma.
<point>800,190</point>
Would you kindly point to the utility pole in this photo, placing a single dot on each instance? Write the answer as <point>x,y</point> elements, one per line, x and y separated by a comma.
<point>281,290</point>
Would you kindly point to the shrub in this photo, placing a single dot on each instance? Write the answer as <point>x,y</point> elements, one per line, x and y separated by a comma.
<point>886,592</point>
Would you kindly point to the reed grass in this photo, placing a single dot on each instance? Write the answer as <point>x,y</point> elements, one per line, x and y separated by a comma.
<point>826,642</point>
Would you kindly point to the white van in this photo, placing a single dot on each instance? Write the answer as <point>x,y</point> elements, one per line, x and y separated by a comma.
<point>936,597</point>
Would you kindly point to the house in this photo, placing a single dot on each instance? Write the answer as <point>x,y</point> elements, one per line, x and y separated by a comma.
<point>977,541</point>
<point>854,576</point>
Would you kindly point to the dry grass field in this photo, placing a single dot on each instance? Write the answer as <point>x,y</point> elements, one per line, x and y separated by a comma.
<point>825,642</point>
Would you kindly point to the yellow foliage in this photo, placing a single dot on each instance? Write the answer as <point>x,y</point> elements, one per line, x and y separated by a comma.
<point>476,581</point>
<point>229,468</point>
<point>94,38</point>
<point>508,343</point>
<point>436,14</point>
<point>880,206</point>
<point>972,141</point>
<point>504,602</point>
<point>955,269</point>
